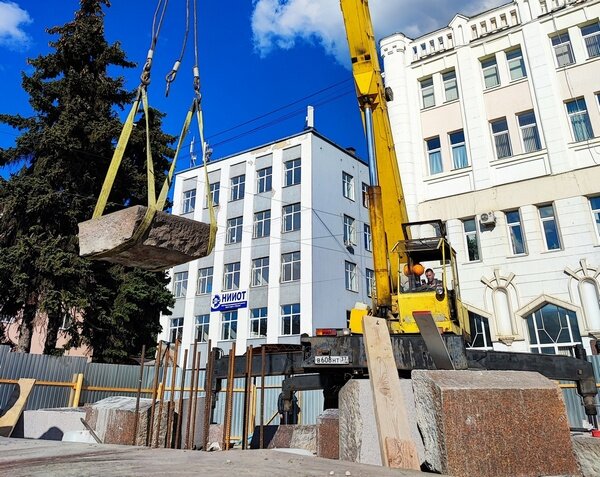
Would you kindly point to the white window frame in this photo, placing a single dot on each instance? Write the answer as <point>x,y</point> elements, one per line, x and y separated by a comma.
<point>348,186</point>
<point>290,267</point>
<point>530,126</point>
<point>258,321</point>
<point>235,227</point>
<point>260,272</point>
<point>514,57</point>
<point>365,189</point>
<point>205,281</point>
<point>350,277</point>
<point>180,280</point>
<point>291,218</point>
<point>262,224</point>
<point>544,220</point>
<point>561,44</point>
<point>231,276</point>
<point>175,329</point>
<point>264,179</point>
<point>499,135</point>
<point>189,201</point>
<point>238,187</point>
<point>367,237</point>
<point>214,191</point>
<point>431,150</point>
<point>480,329</point>
<point>455,146</point>
<point>559,347</point>
<point>370,281</point>
<point>489,65</point>
<point>595,214</point>
<point>290,316</point>
<point>349,230</point>
<point>513,226</point>
<point>427,92</point>
<point>229,321</point>
<point>450,85</point>
<point>292,172</point>
<point>591,40</point>
<point>202,327</point>
<point>589,133</point>
<point>467,234</point>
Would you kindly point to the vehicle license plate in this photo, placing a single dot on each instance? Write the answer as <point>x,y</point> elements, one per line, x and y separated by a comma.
<point>332,360</point>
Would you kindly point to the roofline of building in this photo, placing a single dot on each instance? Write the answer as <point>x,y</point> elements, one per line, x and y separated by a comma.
<point>262,146</point>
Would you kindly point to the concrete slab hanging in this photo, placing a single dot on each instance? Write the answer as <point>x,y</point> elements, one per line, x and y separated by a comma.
<point>170,240</point>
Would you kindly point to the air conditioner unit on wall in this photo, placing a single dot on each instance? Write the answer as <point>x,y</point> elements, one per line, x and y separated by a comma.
<point>487,218</point>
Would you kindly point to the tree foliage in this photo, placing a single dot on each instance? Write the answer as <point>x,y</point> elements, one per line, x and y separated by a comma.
<point>66,146</point>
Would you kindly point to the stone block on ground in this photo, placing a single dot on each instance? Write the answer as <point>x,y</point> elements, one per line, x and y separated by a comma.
<point>295,436</point>
<point>587,453</point>
<point>49,424</point>
<point>359,441</point>
<point>198,433</point>
<point>171,240</point>
<point>328,434</point>
<point>493,424</point>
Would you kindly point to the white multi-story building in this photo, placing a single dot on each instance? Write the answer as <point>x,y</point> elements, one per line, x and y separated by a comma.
<point>506,150</point>
<point>293,247</point>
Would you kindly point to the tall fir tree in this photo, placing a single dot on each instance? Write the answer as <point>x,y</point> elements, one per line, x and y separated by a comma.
<point>66,146</point>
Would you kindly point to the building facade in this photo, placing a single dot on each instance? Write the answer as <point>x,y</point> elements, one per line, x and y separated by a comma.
<point>293,246</point>
<point>506,150</point>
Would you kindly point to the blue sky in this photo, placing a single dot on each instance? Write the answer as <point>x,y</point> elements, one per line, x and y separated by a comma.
<point>262,62</point>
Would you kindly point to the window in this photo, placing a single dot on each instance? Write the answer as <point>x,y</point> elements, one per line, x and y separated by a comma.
<point>553,330</point>
<point>260,272</point>
<point>350,274</point>
<point>369,281</point>
<point>229,325</point>
<point>215,189</point>
<point>595,206</point>
<point>264,179</point>
<point>471,239</point>
<point>562,49</point>
<point>202,326</point>
<point>427,92</point>
<point>205,280</point>
<point>516,65</point>
<point>348,186</point>
<point>234,230</point>
<point>291,218</point>
<point>368,240</point>
<point>491,78</point>
<point>238,187</point>
<point>180,284</point>
<point>262,224</point>
<point>480,332</point>
<point>529,132</point>
<point>189,201</point>
<point>434,155</point>
<point>175,329</point>
<point>290,319</point>
<point>291,171</point>
<point>501,138</point>
<point>349,230</point>
<point>459,150</point>
<point>591,36</point>
<point>258,322</point>
<point>450,85</point>
<point>290,267</point>
<point>365,191</point>
<point>580,121</point>
<point>231,277</point>
<point>515,232</point>
<point>549,227</point>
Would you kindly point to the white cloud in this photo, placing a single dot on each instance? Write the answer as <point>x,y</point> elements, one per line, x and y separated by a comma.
<point>283,23</point>
<point>12,20</point>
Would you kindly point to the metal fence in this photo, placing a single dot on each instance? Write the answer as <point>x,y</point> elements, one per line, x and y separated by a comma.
<point>107,380</point>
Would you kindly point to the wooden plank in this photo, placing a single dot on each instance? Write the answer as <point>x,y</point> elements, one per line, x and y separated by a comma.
<point>395,440</point>
<point>17,401</point>
<point>433,340</point>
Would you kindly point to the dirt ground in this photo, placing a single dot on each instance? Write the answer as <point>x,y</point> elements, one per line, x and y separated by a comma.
<point>31,458</point>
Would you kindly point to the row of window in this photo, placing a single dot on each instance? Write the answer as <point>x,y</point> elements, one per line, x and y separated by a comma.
<point>348,189</point>
<point>548,225</point>
<point>563,50</point>
<point>264,183</point>
<point>458,150</point>
<point>289,324</point>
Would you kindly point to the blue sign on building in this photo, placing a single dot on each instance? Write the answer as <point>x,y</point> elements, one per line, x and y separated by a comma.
<point>229,301</point>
